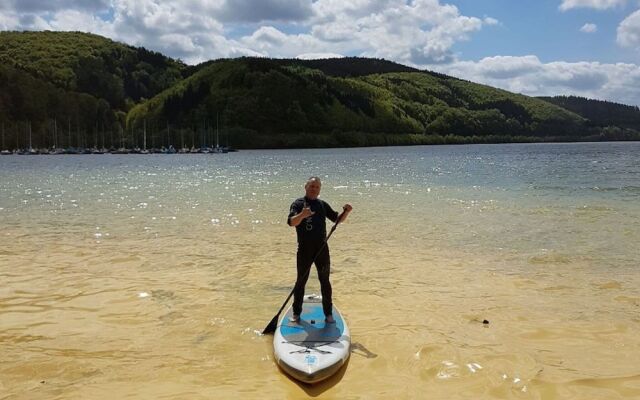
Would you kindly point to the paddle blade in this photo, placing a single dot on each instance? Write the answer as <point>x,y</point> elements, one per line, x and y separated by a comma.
<point>271,328</point>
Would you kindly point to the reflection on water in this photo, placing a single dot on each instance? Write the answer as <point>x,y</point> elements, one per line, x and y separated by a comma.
<point>152,276</point>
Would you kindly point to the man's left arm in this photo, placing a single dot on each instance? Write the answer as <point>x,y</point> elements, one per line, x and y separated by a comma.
<point>347,210</point>
<point>333,215</point>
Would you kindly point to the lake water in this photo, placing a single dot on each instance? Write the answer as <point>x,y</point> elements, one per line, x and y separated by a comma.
<point>131,276</point>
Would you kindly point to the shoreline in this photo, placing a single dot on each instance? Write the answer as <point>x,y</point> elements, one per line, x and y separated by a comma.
<point>224,150</point>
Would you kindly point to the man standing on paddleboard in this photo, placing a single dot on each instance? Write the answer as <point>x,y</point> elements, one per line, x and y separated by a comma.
<point>308,215</point>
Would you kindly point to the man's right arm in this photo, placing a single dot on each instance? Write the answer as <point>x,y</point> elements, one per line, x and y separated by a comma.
<point>295,220</point>
<point>296,215</point>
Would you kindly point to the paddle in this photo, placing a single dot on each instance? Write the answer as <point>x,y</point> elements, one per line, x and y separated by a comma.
<point>274,321</point>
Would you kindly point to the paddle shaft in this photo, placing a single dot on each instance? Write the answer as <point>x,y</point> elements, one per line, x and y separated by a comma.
<point>270,327</point>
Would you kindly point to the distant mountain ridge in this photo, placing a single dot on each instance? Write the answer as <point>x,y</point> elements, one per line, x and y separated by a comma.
<point>598,112</point>
<point>98,88</point>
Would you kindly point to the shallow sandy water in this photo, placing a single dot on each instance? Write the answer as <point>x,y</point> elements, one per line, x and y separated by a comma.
<point>118,285</point>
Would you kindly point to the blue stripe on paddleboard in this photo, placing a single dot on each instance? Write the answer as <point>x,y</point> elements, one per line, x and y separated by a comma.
<point>313,311</point>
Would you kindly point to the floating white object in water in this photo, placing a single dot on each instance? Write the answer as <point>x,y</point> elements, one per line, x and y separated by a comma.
<point>142,295</point>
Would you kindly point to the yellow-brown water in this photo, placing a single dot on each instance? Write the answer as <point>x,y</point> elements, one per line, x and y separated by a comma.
<point>151,277</point>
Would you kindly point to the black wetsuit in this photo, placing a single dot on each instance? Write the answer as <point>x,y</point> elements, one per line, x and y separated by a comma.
<point>312,232</point>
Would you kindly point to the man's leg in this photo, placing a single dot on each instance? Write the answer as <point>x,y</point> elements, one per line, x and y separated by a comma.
<point>323,264</point>
<point>303,261</point>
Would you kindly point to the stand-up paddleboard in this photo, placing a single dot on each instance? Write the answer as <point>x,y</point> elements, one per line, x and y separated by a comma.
<point>311,350</point>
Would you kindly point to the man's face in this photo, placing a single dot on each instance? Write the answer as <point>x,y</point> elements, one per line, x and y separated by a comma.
<point>312,189</point>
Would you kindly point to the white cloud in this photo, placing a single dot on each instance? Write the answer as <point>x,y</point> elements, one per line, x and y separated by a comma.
<point>39,6</point>
<point>629,31</point>
<point>317,56</point>
<point>528,75</point>
<point>9,21</point>
<point>504,67</point>
<point>327,10</point>
<point>186,29</point>
<point>417,32</point>
<point>73,20</point>
<point>596,4</point>
<point>491,21</point>
<point>268,36</point>
<point>335,31</point>
<point>32,22</point>
<point>265,10</point>
<point>589,28</point>
<point>581,76</point>
<point>177,43</point>
<point>269,41</point>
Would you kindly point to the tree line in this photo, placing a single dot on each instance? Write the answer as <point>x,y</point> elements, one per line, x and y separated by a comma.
<point>600,113</point>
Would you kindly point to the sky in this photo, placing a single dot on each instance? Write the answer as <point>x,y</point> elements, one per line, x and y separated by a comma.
<point>588,48</point>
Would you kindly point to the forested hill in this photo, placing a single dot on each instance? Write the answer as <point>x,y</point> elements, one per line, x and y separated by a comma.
<point>81,62</point>
<point>350,66</point>
<point>343,67</point>
<point>600,113</point>
<point>92,88</point>
<point>279,103</point>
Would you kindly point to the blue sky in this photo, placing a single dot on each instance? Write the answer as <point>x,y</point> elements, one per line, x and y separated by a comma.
<point>541,28</point>
<point>588,48</point>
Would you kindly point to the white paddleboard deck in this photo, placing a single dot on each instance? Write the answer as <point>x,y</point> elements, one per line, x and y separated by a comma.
<point>311,350</point>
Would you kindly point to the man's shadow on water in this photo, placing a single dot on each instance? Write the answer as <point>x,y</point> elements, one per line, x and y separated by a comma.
<point>316,389</point>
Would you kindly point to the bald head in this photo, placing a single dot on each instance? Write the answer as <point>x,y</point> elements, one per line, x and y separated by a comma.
<point>312,187</point>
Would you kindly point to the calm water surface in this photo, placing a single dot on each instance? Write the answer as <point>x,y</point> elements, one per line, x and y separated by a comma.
<point>152,276</point>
